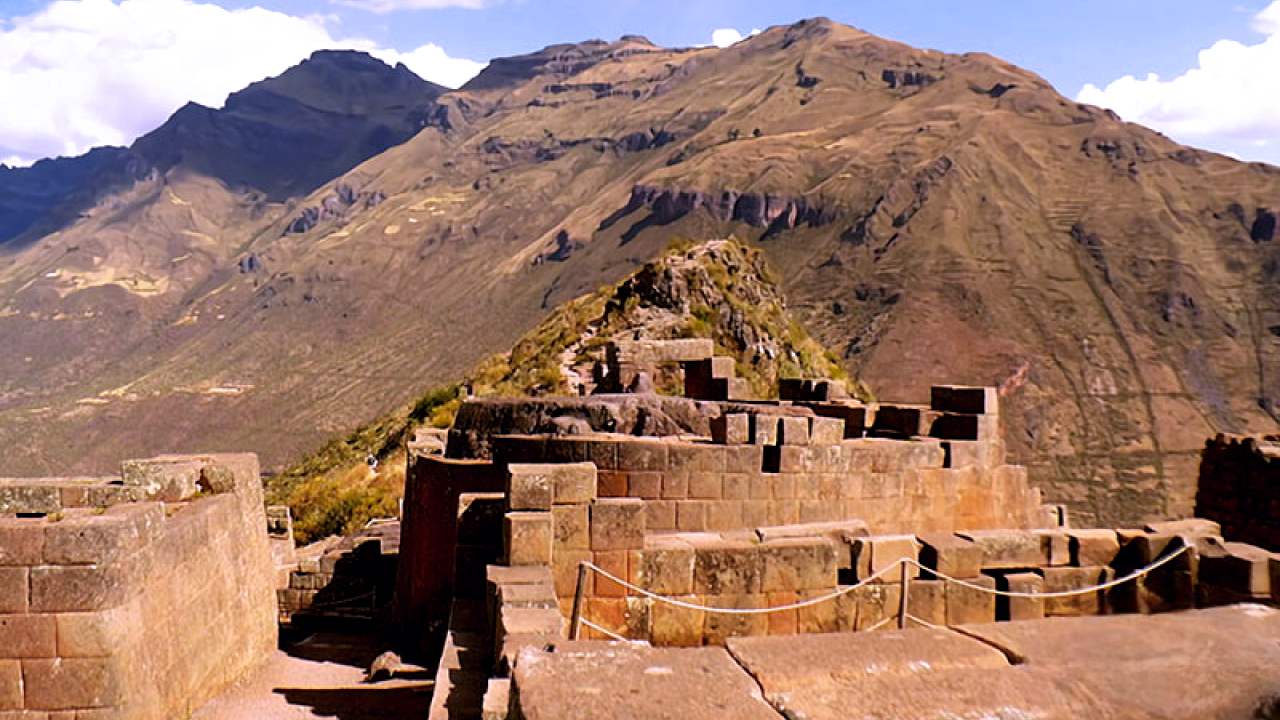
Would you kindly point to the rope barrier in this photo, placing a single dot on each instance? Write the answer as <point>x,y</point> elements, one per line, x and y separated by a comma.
<point>902,564</point>
<point>736,611</point>
<point>602,631</point>
<point>1062,593</point>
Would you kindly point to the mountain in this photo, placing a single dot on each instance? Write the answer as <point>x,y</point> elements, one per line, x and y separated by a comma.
<point>934,218</point>
<point>281,137</point>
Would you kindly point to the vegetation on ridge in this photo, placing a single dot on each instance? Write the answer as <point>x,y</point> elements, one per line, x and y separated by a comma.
<point>719,290</point>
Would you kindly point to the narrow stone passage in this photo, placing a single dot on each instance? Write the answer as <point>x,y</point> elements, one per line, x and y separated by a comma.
<point>322,676</point>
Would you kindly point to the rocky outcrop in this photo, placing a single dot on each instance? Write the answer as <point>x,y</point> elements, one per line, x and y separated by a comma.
<point>907,78</point>
<point>335,206</point>
<point>757,210</point>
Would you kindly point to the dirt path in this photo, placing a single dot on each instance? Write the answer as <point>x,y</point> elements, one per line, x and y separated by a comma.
<point>321,676</point>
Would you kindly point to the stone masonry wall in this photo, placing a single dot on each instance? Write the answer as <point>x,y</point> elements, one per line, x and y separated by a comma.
<point>142,610</point>
<point>1239,488</point>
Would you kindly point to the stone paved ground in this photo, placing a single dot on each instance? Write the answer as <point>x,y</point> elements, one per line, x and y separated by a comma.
<point>321,677</point>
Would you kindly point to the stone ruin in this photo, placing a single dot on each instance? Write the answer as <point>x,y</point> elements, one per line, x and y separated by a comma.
<point>136,597</point>
<point>715,500</point>
<point>642,516</point>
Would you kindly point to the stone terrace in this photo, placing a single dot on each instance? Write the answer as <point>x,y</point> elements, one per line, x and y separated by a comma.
<point>133,598</point>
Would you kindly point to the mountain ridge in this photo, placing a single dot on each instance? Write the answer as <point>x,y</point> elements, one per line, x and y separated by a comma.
<point>935,218</point>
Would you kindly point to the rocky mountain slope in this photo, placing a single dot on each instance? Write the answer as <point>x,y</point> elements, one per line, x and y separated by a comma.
<point>935,218</point>
<point>276,139</point>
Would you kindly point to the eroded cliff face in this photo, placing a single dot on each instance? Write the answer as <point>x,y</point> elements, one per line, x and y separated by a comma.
<point>934,218</point>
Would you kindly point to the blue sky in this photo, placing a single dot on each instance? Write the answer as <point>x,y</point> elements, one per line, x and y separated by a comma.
<point>102,71</point>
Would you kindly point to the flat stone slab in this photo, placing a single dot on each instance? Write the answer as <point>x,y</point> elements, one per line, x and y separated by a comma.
<point>1008,693</point>
<point>783,663</point>
<point>588,680</point>
<point>1217,663</point>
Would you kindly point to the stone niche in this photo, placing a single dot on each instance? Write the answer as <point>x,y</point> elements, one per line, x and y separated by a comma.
<point>142,607</point>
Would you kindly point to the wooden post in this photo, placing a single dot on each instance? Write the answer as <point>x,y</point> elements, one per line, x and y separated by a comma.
<point>575,619</point>
<point>905,589</point>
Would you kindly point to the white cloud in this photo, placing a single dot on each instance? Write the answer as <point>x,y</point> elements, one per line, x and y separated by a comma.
<point>386,6</point>
<point>82,73</point>
<point>431,62</point>
<point>1231,99</point>
<point>724,37</point>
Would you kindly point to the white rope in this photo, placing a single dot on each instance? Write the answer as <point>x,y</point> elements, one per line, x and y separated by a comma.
<point>883,571</point>
<point>1060,594</point>
<point>602,631</point>
<point>929,625</point>
<point>737,611</point>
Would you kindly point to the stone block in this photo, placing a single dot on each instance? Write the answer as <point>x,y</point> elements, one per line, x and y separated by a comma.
<point>875,603</point>
<point>764,429</point>
<point>691,515</point>
<point>1055,548</point>
<point>969,606</point>
<point>1020,608</point>
<point>723,515</point>
<point>644,485</point>
<point>664,566</point>
<point>826,430</point>
<point>927,601</point>
<point>529,487</point>
<point>28,636</point>
<point>21,541</point>
<point>951,555</point>
<point>798,564</point>
<point>660,515</point>
<point>497,699</point>
<point>10,688</point>
<point>706,485</point>
<point>496,575</point>
<point>961,399</point>
<point>571,525</point>
<point>98,634</point>
<point>14,590</point>
<point>735,486</point>
<point>793,430</point>
<point>642,455</point>
<point>1066,579</point>
<point>528,537</point>
<point>31,498</point>
<point>614,562</point>
<point>574,483</point>
<point>602,453</point>
<point>1187,526</point>
<point>783,622</point>
<point>529,622</point>
<point>728,569</point>
<point>676,626</point>
<point>77,588</point>
<point>834,615</point>
<point>528,595</point>
<point>783,459</point>
<point>675,485</point>
<point>874,556</point>
<point>70,683</point>
<point>1091,548</point>
<point>1234,572</point>
<point>1006,549</point>
<point>617,524</point>
<point>731,429</point>
<point>564,569</point>
<point>718,627</point>
<point>895,422</point>
<point>748,459</point>
<point>755,514</point>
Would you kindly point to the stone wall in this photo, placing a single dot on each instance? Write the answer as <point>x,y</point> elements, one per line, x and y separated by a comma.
<point>141,610</point>
<point>1239,488</point>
